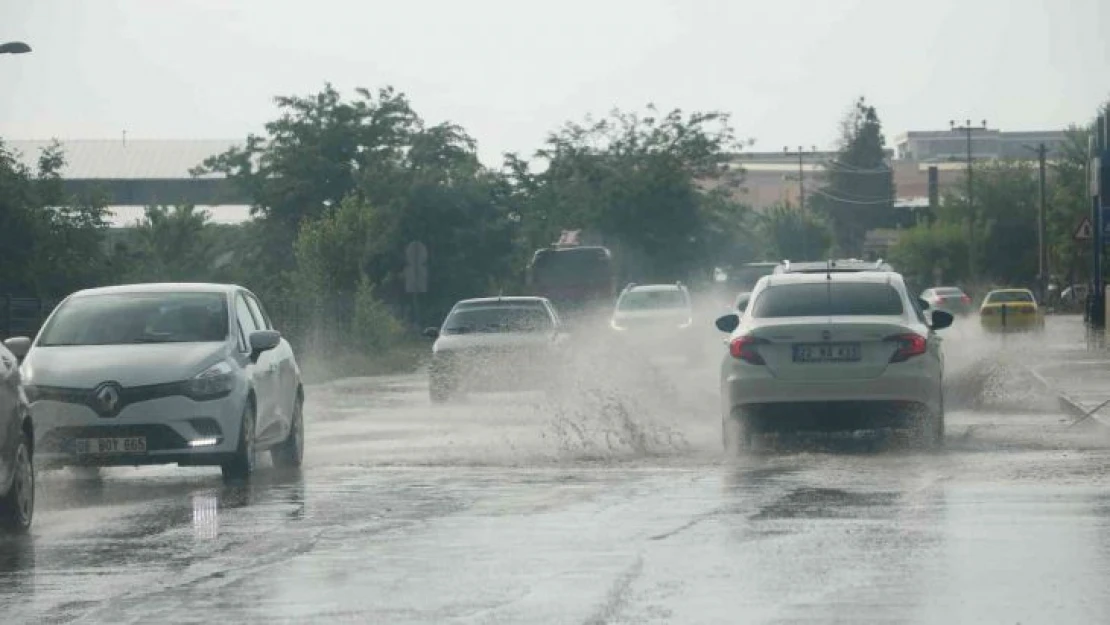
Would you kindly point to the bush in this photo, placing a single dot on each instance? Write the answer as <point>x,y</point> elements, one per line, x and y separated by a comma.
<point>374,327</point>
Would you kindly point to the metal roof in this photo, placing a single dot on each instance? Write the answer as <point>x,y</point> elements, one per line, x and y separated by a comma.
<point>117,159</point>
<point>225,214</point>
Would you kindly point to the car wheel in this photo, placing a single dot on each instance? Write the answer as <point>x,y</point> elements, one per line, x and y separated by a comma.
<point>439,390</point>
<point>289,454</point>
<point>17,507</point>
<point>241,464</point>
<point>928,428</point>
<point>736,433</point>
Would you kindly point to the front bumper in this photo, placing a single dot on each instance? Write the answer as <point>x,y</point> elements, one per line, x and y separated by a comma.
<point>169,425</point>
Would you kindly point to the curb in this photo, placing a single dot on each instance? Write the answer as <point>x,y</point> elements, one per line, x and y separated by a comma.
<point>1067,403</point>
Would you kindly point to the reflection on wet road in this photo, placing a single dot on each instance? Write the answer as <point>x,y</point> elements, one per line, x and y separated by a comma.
<point>605,509</point>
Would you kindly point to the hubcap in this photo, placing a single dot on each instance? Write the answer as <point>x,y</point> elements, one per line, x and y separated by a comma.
<point>24,483</point>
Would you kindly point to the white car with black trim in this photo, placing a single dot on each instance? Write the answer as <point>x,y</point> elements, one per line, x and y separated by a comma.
<point>192,374</point>
<point>832,351</point>
<point>656,320</point>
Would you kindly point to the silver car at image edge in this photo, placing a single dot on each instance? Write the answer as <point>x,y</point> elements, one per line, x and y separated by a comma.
<point>17,471</point>
<point>192,374</point>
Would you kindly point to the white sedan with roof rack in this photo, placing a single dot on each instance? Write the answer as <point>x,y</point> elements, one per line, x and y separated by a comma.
<point>832,351</point>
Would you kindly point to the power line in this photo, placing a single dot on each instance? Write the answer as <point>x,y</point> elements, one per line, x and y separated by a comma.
<point>824,193</point>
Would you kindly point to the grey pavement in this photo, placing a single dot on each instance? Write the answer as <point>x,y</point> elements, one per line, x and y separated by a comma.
<point>1078,373</point>
<point>612,505</point>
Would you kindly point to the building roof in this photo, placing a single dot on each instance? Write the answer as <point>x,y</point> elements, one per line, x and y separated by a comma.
<point>118,159</point>
<point>224,214</point>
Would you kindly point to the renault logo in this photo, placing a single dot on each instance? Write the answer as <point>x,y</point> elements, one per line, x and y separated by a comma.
<point>107,399</point>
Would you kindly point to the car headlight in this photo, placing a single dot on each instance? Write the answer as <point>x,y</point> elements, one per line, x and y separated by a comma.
<point>212,383</point>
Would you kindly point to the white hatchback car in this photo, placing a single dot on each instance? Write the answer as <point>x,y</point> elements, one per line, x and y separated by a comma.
<point>832,351</point>
<point>192,374</point>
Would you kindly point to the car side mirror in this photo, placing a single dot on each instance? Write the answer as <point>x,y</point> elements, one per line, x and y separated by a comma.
<point>728,323</point>
<point>263,341</point>
<point>924,304</point>
<point>18,346</point>
<point>941,319</point>
<point>431,333</point>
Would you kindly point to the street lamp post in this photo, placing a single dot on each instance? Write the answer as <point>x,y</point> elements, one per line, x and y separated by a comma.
<point>802,194</point>
<point>14,47</point>
<point>968,128</point>
<point>1042,210</point>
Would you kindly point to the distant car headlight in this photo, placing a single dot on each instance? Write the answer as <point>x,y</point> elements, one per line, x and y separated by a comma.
<point>213,383</point>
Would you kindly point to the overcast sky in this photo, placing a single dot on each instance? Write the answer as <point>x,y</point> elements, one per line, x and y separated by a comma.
<point>511,70</point>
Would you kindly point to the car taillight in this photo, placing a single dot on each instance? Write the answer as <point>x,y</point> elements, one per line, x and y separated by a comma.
<point>965,299</point>
<point>909,345</point>
<point>744,348</point>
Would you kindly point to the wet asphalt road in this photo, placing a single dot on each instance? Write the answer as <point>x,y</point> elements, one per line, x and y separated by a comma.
<point>611,507</point>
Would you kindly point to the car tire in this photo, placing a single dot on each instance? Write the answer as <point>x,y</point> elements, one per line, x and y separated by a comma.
<point>241,464</point>
<point>289,454</point>
<point>928,428</point>
<point>17,506</point>
<point>439,390</point>
<point>736,434</point>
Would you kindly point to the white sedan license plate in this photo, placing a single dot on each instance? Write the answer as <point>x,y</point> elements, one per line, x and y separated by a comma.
<point>827,352</point>
<point>128,445</point>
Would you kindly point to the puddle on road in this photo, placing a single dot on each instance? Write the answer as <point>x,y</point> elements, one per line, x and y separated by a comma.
<point>616,408</point>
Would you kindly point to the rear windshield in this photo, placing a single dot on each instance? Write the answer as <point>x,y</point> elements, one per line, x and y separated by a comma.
<point>999,297</point>
<point>126,318</point>
<point>828,299</point>
<point>653,300</point>
<point>518,318</point>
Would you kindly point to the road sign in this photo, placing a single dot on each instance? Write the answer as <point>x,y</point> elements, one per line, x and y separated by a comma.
<point>416,268</point>
<point>1084,232</point>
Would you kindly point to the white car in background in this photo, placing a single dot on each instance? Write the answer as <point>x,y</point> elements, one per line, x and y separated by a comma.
<point>192,374</point>
<point>832,351</point>
<point>496,344</point>
<point>656,320</point>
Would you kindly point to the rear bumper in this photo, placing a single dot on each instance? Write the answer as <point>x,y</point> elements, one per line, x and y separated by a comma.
<point>993,323</point>
<point>831,416</point>
<point>896,390</point>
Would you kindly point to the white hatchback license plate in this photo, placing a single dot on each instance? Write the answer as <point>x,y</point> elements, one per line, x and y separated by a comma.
<point>128,445</point>
<point>827,352</point>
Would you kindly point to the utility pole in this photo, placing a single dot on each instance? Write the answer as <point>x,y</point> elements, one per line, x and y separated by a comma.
<point>802,195</point>
<point>1042,210</point>
<point>968,128</point>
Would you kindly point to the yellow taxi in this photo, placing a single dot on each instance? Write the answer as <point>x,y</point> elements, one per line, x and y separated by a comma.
<point>1011,310</point>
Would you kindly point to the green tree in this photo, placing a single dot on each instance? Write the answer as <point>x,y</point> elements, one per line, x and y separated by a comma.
<point>932,254</point>
<point>171,244</point>
<point>858,191</point>
<point>657,186</point>
<point>314,154</point>
<point>1068,204</point>
<point>791,233</point>
<point>52,242</point>
<point>1005,220</point>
